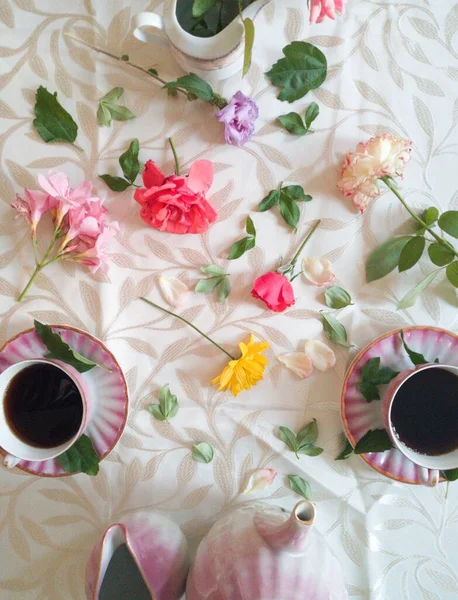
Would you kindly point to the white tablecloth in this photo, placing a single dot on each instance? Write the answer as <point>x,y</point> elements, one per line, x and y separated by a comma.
<point>393,67</point>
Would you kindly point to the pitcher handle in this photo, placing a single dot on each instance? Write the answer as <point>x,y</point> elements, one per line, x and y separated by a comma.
<point>429,477</point>
<point>149,27</point>
<point>10,461</point>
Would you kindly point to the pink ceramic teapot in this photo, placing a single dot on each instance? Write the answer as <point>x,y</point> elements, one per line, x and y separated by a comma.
<point>157,551</point>
<point>262,553</point>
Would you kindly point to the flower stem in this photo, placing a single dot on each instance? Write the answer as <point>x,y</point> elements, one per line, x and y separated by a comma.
<point>301,247</point>
<point>389,183</point>
<point>30,283</point>
<point>175,156</point>
<point>190,324</point>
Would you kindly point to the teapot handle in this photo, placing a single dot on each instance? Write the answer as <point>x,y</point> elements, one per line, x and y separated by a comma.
<point>429,477</point>
<point>10,461</point>
<point>149,27</point>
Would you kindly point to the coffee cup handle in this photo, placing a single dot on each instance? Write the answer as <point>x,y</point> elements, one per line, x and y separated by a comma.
<point>429,477</point>
<point>10,461</point>
<point>149,28</point>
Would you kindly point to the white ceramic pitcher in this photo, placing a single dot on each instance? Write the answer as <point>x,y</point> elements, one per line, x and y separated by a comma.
<point>212,58</point>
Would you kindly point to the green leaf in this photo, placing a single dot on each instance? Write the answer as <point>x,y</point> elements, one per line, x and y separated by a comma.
<point>296,192</point>
<point>308,434</point>
<point>125,57</point>
<point>120,113</point>
<point>200,7</point>
<point>168,402</point>
<point>303,68</point>
<point>369,390</point>
<point>248,26</point>
<point>289,210</point>
<point>385,375</point>
<point>223,289</point>
<point>334,330</point>
<point>300,486</point>
<point>411,253</point>
<point>53,123</point>
<point>346,452</point>
<point>270,200</point>
<point>60,350</point>
<point>385,258</point>
<point>310,450</point>
<point>440,254</point>
<point>448,222</point>
<point>203,452</point>
<point>249,227</point>
<point>289,438</point>
<point>80,458</point>
<point>113,95</point>
<point>370,369</point>
<point>129,161</point>
<point>212,270</point>
<point>103,115</point>
<point>117,184</point>
<point>375,440</point>
<point>311,114</point>
<point>430,215</point>
<point>205,286</point>
<point>450,474</point>
<point>452,273</point>
<point>194,84</point>
<point>153,71</point>
<point>156,411</point>
<point>241,246</point>
<point>337,297</point>
<point>293,123</point>
<point>411,297</point>
<point>415,357</point>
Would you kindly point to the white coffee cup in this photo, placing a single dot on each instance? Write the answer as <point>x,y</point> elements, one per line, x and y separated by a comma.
<point>15,447</point>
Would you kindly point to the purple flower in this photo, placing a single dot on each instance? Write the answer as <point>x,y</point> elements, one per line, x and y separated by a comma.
<point>238,118</point>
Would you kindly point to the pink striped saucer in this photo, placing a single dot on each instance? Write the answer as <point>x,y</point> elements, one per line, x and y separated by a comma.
<point>358,416</point>
<point>110,396</point>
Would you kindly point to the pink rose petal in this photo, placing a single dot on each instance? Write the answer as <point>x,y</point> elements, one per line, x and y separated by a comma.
<point>317,270</point>
<point>321,355</point>
<point>298,362</point>
<point>259,480</point>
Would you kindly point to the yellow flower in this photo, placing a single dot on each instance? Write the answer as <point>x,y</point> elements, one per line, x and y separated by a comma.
<point>245,372</point>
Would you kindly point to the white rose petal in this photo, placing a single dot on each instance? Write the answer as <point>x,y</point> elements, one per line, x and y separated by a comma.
<point>317,270</point>
<point>174,291</point>
<point>259,480</point>
<point>298,362</point>
<point>321,355</point>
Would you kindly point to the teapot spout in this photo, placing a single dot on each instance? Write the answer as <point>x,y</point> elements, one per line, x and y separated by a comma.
<point>291,535</point>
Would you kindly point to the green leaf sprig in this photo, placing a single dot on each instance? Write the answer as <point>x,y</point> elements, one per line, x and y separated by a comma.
<point>53,123</point>
<point>110,110</point>
<point>303,68</point>
<point>373,375</point>
<point>218,280</point>
<point>239,248</point>
<point>60,350</point>
<point>287,198</point>
<point>167,407</point>
<point>82,457</point>
<point>375,440</point>
<point>415,357</point>
<point>294,123</point>
<point>130,168</point>
<point>203,452</point>
<point>300,486</point>
<point>304,441</point>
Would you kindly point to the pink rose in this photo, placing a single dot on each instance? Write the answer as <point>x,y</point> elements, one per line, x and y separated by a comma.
<point>177,204</point>
<point>275,290</point>
<point>33,206</point>
<point>320,9</point>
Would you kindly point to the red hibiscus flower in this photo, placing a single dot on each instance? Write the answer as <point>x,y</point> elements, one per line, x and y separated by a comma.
<point>177,203</point>
<point>275,290</point>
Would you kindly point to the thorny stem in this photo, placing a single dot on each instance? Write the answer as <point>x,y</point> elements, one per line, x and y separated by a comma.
<point>389,182</point>
<point>301,247</point>
<point>175,156</point>
<point>188,323</point>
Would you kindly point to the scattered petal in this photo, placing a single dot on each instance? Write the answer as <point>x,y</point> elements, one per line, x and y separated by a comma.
<point>317,270</point>
<point>298,362</point>
<point>259,480</point>
<point>174,291</point>
<point>321,355</point>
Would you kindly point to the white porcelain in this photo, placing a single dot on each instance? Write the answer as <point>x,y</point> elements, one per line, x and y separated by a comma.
<point>15,447</point>
<point>213,58</point>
